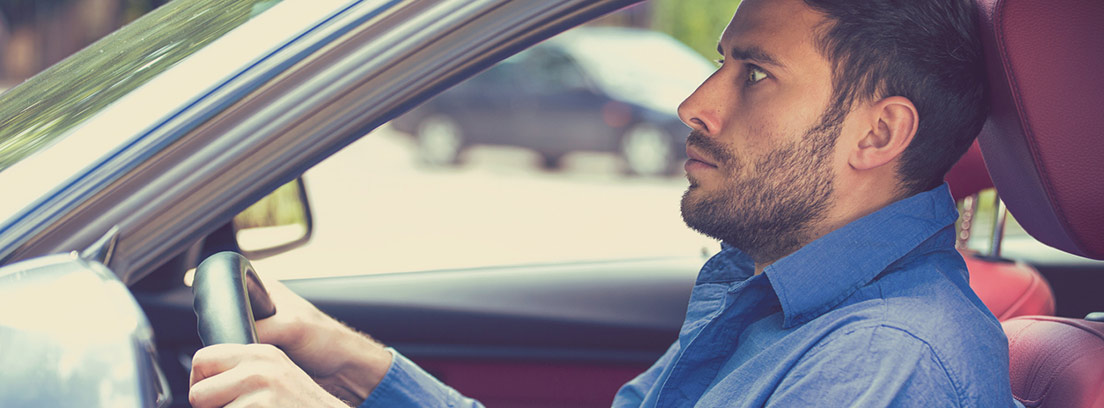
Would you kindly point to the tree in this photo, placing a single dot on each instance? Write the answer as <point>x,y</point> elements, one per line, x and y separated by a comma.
<point>697,23</point>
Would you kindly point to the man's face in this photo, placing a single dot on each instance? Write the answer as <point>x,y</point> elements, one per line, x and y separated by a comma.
<point>763,146</point>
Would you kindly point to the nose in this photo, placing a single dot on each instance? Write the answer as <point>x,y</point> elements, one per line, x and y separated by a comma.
<point>699,110</point>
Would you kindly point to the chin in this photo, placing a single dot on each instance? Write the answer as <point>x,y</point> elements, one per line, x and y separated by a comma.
<point>695,182</point>
<point>693,198</point>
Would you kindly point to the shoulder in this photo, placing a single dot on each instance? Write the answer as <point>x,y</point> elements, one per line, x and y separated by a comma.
<point>924,314</point>
<point>904,368</point>
<point>870,365</point>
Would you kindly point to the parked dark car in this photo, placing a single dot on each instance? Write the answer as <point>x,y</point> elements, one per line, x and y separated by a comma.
<point>601,89</point>
<point>124,166</point>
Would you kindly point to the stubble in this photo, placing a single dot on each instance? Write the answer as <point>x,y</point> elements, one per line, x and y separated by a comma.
<point>770,207</point>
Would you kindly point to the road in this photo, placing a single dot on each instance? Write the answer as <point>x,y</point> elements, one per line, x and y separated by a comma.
<point>376,209</point>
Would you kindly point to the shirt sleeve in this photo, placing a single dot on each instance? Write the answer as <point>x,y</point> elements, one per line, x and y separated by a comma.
<point>633,393</point>
<point>870,367</point>
<point>407,385</point>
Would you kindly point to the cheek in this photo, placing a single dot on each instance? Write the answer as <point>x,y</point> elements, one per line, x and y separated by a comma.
<point>757,133</point>
<point>782,119</point>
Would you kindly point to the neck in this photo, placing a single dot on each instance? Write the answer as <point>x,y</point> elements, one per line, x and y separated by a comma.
<point>813,233</point>
<point>863,199</point>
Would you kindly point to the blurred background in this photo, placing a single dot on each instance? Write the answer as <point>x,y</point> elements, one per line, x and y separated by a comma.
<point>570,151</point>
<point>35,34</point>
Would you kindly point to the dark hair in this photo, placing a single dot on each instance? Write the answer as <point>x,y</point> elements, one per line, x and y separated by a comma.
<point>928,51</point>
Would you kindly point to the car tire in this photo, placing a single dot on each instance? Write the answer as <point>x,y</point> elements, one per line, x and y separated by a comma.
<point>440,140</point>
<point>549,161</point>
<point>647,150</point>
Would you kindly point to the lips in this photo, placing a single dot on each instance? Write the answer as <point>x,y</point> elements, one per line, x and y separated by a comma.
<point>696,156</point>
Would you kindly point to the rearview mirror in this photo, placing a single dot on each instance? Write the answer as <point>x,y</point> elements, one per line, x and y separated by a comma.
<point>279,222</point>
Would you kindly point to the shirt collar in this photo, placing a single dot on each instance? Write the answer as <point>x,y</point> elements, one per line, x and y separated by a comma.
<point>728,266</point>
<point>820,275</point>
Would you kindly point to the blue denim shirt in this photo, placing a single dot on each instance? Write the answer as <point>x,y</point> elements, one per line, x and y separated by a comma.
<point>877,313</point>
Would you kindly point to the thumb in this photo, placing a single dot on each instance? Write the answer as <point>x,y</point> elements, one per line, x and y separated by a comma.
<point>282,329</point>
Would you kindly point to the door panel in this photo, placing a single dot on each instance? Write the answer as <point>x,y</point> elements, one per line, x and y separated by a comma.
<point>537,384</point>
<point>533,336</point>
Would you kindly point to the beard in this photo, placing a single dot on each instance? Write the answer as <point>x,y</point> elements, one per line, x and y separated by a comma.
<point>770,207</point>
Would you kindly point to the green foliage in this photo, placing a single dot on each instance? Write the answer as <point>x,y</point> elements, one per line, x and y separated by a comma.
<point>282,207</point>
<point>697,23</point>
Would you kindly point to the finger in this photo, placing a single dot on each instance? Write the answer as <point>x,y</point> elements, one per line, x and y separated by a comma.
<point>278,291</point>
<point>280,329</point>
<point>293,316</point>
<point>212,360</point>
<point>228,371</point>
<point>252,400</point>
<point>224,388</point>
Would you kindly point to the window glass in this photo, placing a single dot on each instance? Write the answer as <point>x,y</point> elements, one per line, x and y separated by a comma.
<point>468,179</point>
<point>39,112</point>
<point>1016,243</point>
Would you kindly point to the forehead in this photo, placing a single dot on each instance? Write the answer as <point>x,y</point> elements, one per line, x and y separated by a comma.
<point>787,29</point>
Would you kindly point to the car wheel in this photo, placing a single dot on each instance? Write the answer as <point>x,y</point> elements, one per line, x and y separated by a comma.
<point>439,140</point>
<point>549,161</point>
<point>647,150</point>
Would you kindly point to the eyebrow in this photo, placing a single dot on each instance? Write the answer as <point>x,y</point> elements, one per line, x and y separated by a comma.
<point>752,53</point>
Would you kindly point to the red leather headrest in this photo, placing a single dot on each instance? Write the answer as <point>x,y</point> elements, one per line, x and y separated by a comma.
<point>969,175</point>
<point>1044,140</point>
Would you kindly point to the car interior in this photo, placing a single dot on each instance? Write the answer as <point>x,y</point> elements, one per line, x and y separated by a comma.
<point>1041,145</point>
<point>1008,288</point>
<point>570,335</point>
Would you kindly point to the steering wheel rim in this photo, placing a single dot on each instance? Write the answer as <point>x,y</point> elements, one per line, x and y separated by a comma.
<point>229,297</point>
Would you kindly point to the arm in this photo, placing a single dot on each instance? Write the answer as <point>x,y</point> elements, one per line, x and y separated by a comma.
<point>407,385</point>
<point>319,362</point>
<point>869,367</point>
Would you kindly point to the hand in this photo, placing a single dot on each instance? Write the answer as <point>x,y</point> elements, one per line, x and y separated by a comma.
<point>344,362</point>
<point>254,375</point>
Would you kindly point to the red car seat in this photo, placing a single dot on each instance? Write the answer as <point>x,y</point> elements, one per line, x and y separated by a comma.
<point>1008,289</point>
<point>1044,145</point>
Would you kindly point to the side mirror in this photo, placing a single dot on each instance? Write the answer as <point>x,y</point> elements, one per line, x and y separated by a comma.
<point>71,334</point>
<point>279,222</point>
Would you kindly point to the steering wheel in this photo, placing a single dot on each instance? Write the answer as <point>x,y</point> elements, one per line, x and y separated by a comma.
<point>228,297</point>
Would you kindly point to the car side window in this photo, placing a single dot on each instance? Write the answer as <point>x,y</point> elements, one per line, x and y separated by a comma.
<point>101,75</point>
<point>455,184</point>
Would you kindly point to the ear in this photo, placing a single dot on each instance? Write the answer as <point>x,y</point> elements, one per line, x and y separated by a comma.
<point>891,126</point>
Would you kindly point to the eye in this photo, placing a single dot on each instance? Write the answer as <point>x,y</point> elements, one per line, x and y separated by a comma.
<point>755,74</point>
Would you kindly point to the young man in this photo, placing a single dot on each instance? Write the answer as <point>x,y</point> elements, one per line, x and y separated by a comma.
<point>817,156</point>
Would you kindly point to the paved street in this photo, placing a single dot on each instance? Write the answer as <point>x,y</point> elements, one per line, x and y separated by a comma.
<point>377,210</point>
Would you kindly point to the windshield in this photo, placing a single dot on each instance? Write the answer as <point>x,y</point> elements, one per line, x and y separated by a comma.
<point>42,110</point>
